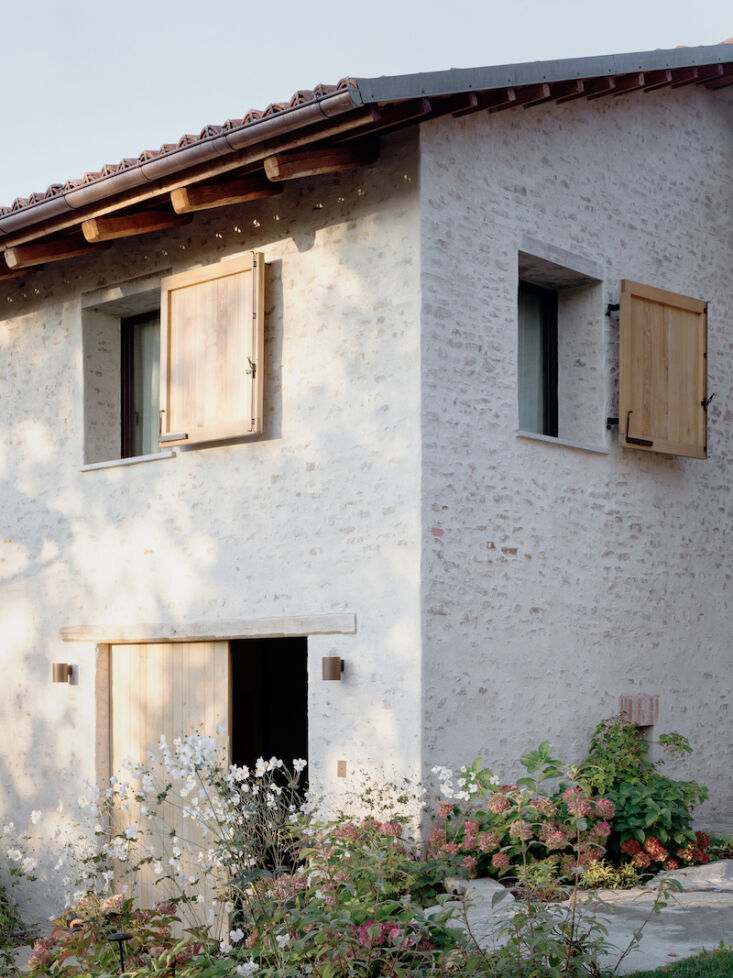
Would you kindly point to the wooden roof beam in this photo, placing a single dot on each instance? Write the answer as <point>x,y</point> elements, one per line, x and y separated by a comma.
<point>6,273</point>
<point>527,95</point>
<point>598,87</point>
<point>128,225</point>
<point>200,197</point>
<point>657,79</point>
<point>630,83</point>
<point>725,78</point>
<point>313,162</point>
<point>28,255</point>
<point>569,90</point>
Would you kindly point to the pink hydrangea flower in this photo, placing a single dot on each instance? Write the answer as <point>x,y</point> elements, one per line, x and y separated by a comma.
<point>605,808</point>
<point>487,841</point>
<point>500,860</point>
<point>521,829</point>
<point>498,803</point>
<point>470,864</point>
<point>445,809</point>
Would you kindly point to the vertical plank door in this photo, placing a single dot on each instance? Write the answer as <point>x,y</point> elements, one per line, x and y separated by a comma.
<point>172,689</point>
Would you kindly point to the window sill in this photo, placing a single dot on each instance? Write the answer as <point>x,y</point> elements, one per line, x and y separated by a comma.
<point>115,462</point>
<point>535,436</point>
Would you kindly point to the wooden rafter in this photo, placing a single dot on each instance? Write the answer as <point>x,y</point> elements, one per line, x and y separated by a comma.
<point>6,273</point>
<point>598,87</point>
<point>630,83</point>
<point>200,197</point>
<point>127,225</point>
<point>25,256</point>
<point>723,80</point>
<point>311,162</point>
<point>657,79</point>
<point>503,98</point>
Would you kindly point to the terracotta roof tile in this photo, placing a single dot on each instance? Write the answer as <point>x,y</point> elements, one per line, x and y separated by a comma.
<point>210,131</point>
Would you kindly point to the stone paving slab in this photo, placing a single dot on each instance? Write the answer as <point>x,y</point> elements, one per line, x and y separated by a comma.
<point>694,920</point>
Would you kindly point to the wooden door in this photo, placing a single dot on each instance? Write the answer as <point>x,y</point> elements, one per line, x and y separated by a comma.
<point>172,689</point>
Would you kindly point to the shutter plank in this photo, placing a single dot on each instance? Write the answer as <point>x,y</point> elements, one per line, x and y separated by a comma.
<point>662,371</point>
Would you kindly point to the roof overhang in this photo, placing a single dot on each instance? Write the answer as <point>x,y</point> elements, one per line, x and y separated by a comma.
<point>321,131</point>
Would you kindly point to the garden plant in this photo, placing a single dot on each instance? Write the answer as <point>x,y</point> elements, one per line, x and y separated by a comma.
<point>253,881</point>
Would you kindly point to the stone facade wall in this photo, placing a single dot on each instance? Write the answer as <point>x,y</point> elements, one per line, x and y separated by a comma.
<point>318,516</point>
<point>555,579</point>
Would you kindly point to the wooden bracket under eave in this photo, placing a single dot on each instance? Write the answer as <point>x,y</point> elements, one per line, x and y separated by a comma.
<point>200,197</point>
<point>42,252</point>
<point>312,162</point>
<point>128,225</point>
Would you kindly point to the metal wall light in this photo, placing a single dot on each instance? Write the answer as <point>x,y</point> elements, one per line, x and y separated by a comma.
<point>62,672</point>
<point>332,666</point>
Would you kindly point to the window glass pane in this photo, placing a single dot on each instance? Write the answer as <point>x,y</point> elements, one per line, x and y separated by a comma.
<point>531,366</point>
<point>146,384</point>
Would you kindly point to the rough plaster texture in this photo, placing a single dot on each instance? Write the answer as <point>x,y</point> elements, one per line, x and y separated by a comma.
<point>317,516</point>
<point>506,590</point>
<point>555,580</point>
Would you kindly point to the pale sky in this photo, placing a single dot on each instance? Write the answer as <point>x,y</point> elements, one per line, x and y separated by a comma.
<point>87,83</point>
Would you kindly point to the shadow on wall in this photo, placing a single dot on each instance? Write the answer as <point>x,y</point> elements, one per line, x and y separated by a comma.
<point>316,516</point>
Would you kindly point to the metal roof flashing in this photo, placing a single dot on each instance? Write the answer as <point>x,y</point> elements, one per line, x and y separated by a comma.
<point>390,88</point>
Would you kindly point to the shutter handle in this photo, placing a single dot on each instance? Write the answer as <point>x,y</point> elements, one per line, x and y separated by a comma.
<point>635,441</point>
<point>707,400</point>
<point>162,439</point>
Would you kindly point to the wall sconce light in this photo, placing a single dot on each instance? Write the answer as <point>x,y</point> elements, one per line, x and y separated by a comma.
<point>332,666</point>
<point>62,672</point>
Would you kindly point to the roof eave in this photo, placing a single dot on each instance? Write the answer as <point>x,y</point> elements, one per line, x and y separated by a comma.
<point>395,88</point>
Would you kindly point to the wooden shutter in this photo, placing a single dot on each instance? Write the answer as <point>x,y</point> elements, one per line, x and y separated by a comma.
<point>172,689</point>
<point>211,356</point>
<point>663,371</point>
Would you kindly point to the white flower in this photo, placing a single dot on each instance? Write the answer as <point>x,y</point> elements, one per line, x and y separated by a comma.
<point>282,940</point>
<point>131,832</point>
<point>229,907</point>
<point>15,855</point>
<point>225,948</point>
<point>157,867</point>
<point>36,817</point>
<point>29,865</point>
<point>236,935</point>
<point>299,764</point>
<point>247,969</point>
<point>260,767</point>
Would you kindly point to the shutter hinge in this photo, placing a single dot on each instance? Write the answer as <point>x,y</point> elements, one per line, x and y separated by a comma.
<point>707,400</point>
<point>612,307</point>
<point>610,422</point>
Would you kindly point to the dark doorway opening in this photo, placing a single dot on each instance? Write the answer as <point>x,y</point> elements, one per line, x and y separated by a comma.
<point>269,712</point>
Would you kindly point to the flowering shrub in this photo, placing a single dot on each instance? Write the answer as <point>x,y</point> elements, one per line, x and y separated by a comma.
<point>79,942</point>
<point>653,824</point>
<point>500,830</point>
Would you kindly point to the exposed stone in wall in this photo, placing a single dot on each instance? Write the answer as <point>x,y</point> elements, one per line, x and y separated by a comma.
<point>317,516</point>
<point>557,580</point>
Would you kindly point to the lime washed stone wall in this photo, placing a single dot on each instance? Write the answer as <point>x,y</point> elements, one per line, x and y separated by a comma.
<point>556,579</point>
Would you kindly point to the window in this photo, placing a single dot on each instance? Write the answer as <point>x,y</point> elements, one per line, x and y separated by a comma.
<point>560,376</point>
<point>537,359</point>
<point>140,395</point>
<point>177,361</point>
<point>663,371</point>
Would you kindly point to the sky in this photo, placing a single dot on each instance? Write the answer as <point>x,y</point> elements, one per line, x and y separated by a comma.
<point>88,83</point>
